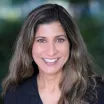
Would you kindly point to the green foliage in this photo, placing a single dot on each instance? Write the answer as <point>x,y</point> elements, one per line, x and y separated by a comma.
<point>78,1</point>
<point>8,34</point>
<point>1,100</point>
<point>92,32</point>
<point>18,1</point>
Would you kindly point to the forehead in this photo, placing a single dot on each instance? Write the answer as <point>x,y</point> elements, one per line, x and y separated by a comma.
<point>50,29</point>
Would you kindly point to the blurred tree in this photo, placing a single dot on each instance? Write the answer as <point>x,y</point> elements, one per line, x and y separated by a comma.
<point>92,33</point>
<point>77,1</point>
<point>8,34</point>
<point>18,1</point>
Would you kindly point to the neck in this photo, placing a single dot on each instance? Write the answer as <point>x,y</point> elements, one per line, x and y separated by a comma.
<point>49,82</point>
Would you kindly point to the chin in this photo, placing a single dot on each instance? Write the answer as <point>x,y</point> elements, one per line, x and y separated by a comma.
<point>50,70</point>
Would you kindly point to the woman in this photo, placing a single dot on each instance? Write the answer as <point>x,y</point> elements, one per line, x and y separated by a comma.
<point>51,64</point>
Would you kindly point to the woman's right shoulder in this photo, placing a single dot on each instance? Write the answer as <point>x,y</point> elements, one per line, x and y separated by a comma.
<point>100,90</point>
<point>26,86</point>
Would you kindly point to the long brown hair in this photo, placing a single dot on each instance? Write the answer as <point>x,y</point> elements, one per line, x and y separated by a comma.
<point>78,76</point>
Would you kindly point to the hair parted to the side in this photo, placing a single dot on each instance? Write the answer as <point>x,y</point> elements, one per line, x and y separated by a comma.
<point>77,72</point>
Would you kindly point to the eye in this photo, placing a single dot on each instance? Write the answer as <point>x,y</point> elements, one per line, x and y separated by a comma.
<point>41,40</point>
<point>60,40</point>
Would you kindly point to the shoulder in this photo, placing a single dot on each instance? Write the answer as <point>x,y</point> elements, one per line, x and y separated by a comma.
<point>95,92</point>
<point>22,91</point>
<point>100,90</point>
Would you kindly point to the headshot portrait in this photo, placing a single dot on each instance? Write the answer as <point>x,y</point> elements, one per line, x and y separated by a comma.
<point>51,63</point>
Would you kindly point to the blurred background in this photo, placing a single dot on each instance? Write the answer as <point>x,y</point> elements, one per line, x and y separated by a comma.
<point>89,15</point>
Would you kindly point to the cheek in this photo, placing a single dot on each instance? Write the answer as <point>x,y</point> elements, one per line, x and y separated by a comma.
<point>36,50</point>
<point>65,50</point>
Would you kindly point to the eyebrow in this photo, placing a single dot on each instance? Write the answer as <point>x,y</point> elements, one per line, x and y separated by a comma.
<point>61,35</point>
<point>45,37</point>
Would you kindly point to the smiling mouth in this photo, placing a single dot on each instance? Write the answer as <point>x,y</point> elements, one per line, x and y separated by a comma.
<point>50,61</point>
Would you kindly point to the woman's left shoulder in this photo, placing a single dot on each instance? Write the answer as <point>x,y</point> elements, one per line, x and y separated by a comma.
<point>100,90</point>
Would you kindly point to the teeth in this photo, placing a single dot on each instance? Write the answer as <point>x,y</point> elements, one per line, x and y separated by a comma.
<point>50,60</point>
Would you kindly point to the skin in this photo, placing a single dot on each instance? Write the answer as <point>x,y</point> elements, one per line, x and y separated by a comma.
<point>50,43</point>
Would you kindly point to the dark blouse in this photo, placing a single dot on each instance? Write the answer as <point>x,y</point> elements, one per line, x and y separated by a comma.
<point>27,93</point>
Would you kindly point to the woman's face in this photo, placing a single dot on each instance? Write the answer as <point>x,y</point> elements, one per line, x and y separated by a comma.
<point>50,49</point>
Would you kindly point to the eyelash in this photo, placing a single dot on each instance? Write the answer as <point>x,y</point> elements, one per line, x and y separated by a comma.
<point>44,41</point>
<point>61,40</point>
<point>41,41</point>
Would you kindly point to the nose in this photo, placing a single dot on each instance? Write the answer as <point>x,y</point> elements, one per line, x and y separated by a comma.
<point>52,49</point>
